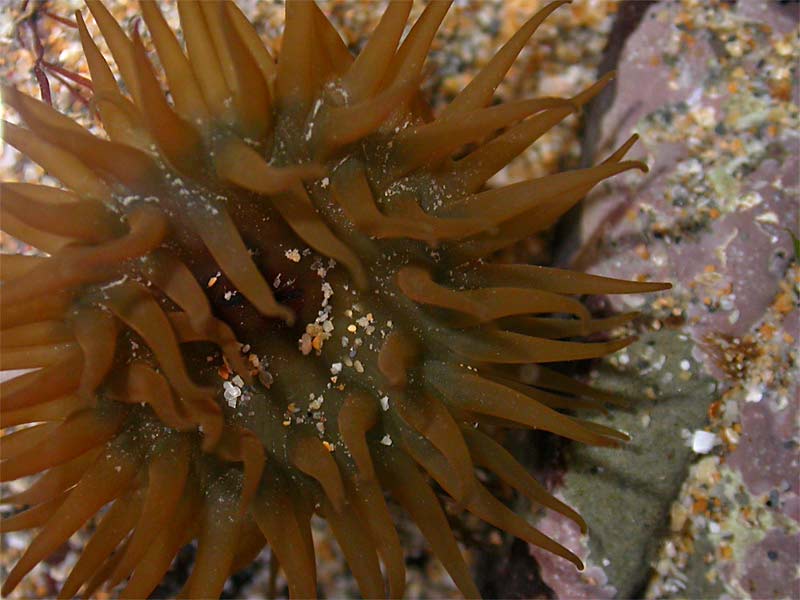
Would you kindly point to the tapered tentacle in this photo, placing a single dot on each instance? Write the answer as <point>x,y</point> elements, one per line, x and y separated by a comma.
<point>204,60</point>
<point>358,415</point>
<point>471,172</point>
<point>184,88</point>
<point>13,266</point>
<point>410,489</point>
<point>494,457</point>
<point>55,481</point>
<point>358,548</point>
<point>111,530</point>
<point>312,458</point>
<point>101,574</point>
<point>216,545</point>
<point>490,509</point>
<point>167,474</point>
<point>352,192</point>
<point>299,213</point>
<point>33,517</point>
<point>58,212</point>
<point>160,553</point>
<point>77,265</point>
<point>558,281</point>
<point>43,332</point>
<point>134,305</point>
<point>368,498</point>
<point>364,75</point>
<point>31,357</point>
<point>96,333</point>
<point>250,112</point>
<point>337,127</point>
<point>177,281</point>
<point>553,380</point>
<point>22,440</point>
<point>249,545</point>
<point>407,62</point>
<point>483,396</point>
<point>288,534</point>
<point>331,44</point>
<point>33,388</point>
<point>396,356</point>
<point>218,332</point>
<point>514,348</point>
<point>146,387</point>
<point>549,399</point>
<point>555,328</point>
<point>222,238</point>
<point>78,434</point>
<point>120,46</point>
<point>479,91</point>
<point>103,81</point>
<point>547,197</point>
<point>253,97</point>
<point>139,310</point>
<point>121,119</point>
<point>103,482</point>
<point>609,432</point>
<point>430,419</point>
<point>427,145</point>
<point>179,142</point>
<point>47,242</point>
<point>294,85</point>
<point>484,304</point>
<point>59,163</point>
<point>212,11</point>
<point>238,163</point>
<point>115,162</point>
<point>52,410</point>
<point>250,37</point>
<point>242,445</point>
<point>40,112</point>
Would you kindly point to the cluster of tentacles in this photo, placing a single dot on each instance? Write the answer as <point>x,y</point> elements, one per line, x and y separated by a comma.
<point>263,297</point>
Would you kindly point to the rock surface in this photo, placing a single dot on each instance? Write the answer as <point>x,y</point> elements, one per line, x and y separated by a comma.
<point>625,494</point>
<point>712,89</point>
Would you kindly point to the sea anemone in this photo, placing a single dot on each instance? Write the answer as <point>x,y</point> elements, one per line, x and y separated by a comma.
<point>265,296</point>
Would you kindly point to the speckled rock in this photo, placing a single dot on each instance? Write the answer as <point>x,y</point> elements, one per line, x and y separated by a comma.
<point>713,91</point>
<point>625,494</point>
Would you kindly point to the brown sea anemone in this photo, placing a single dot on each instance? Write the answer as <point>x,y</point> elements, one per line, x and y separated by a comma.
<point>264,296</point>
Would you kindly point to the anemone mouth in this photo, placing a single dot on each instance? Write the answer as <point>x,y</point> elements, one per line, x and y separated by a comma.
<point>265,297</point>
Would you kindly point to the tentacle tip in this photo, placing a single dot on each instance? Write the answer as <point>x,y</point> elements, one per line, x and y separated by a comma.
<point>288,316</point>
<point>608,76</point>
<point>8,587</point>
<point>211,437</point>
